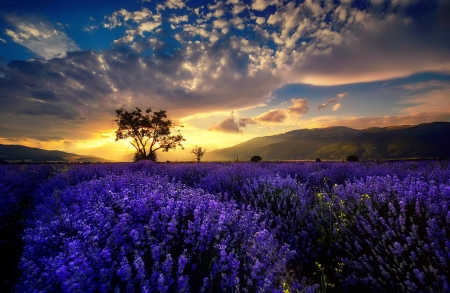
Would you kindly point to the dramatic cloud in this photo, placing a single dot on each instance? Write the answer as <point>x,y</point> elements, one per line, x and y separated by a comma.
<point>220,57</point>
<point>138,22</point>
<point>39,37</point>
<point>272,116</point>
<point>227,126</point>
<point>298,108</point>
<point>359,45</point>
<point>89,86</point>
<point>123,16</point>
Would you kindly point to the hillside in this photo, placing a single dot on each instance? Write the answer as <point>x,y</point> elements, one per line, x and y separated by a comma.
<point>423,141</point>
<point>27,154</point>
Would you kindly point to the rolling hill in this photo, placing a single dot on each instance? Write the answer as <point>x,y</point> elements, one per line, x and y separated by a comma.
<point>423,141</point>
<point>19,153</point>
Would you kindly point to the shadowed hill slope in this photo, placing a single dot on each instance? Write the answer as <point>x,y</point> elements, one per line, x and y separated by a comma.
<point>27,154</point>
<point>423,141</point>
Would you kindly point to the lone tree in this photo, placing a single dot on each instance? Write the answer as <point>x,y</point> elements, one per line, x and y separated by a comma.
<point>149,133</point>
<point>199,152</point>
<point>255,159</point>
<point>352,158</point>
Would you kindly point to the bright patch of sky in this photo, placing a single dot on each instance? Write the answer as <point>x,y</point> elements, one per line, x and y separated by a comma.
<point>228,69</point>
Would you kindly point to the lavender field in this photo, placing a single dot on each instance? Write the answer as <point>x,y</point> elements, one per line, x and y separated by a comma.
<point>226,227</point>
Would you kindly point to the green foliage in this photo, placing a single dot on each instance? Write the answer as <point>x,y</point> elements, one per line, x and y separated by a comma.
<point>145,130</point>
<point>255,159</point>
<point>324,284</point>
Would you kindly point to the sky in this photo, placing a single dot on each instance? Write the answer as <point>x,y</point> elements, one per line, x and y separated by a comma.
<point>227,71</point>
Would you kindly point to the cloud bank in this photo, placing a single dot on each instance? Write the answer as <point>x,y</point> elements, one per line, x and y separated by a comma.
<point>224,58</point>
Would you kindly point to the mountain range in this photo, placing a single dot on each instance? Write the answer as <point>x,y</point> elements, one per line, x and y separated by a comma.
<point>20,153</point>
<point>423,141</point>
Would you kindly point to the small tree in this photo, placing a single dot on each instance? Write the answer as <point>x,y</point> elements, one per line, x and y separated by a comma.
<point>149,133</point>
<point>198,152</point>
<point>352,158</point>
<point>255,159</point>
<point>318,160</point>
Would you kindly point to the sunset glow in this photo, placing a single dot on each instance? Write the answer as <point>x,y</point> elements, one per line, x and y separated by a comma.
<point>227,71</point>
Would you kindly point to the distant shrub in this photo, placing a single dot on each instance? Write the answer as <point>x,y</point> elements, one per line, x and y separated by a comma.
<point>255,159</point>
<point>318,160</point>
<point>352,158</point>
<point>198,152</point>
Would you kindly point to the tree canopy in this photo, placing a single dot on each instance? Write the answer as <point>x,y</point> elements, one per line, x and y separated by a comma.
<point>199,152</point>
<point>149,133</point>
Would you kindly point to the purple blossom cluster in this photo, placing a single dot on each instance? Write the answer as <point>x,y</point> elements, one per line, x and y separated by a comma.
<point>397,238</point>
<point>132,232</point>
<point>221,227</point>
<point>17,183</point>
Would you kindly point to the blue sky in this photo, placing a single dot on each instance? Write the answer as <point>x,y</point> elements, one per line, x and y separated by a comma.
<point>226,70</point>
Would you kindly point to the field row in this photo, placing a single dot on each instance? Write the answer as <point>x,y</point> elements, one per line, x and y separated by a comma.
<point>246,227</point>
